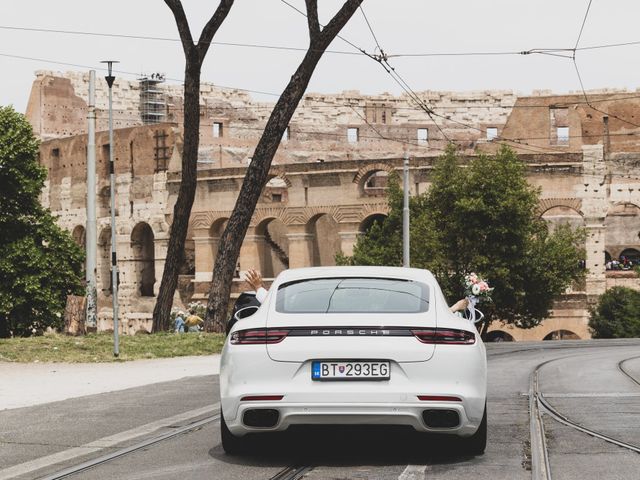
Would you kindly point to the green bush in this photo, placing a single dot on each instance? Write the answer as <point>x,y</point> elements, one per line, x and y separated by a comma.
<point>617,314</point>
<point>39,262</point>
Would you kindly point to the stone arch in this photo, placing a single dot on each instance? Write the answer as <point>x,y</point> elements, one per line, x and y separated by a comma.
<point>546,204</point>
<point>323,229</point>
<point>79,236</point>
<point>143,258</point>
<point>368,221</point>
<point>217,226</point>
<point>270,213</point>
<point>632,254</point>
<point>282,176</point>
<point>499,336</point>
<point>273,246</point>
<point>372,179</point>
<point>105,284</point>
<point>373,167</point>
<point>561,335</point>
<point>562,215</point>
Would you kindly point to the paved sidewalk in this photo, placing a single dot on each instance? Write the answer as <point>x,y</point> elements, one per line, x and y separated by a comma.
<point>27,384</point>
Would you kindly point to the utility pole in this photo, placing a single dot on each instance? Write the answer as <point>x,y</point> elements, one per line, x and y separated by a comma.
<point>91,230</point>
<point>406,262</point>
<point>112,180</point>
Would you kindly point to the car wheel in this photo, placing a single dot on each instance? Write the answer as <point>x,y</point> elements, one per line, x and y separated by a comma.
<point>476,443</point>
<point>231,444</point>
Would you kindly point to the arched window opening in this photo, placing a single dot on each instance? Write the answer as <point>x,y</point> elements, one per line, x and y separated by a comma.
<point>143,257</point>
<point>562,215</point>
<point>562,335</point>
<point>499,336</point>
<point>104,265</point>
<point>79,236</point>
<point>630,255</point>
<point>274,251</point>
<point>370,221</point>
<point>275,191</point>
<point>375,183</point>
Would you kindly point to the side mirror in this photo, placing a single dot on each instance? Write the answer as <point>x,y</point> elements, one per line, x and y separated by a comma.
<point>245,312</point>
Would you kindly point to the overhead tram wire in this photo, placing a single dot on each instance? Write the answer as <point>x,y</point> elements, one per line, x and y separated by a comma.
<point>382,59</point>
<point>165,39</point>
<point>338,52</point>
<point>575,64</point>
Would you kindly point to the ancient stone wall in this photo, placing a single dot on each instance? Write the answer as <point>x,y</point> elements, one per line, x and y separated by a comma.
<point>325,190</point>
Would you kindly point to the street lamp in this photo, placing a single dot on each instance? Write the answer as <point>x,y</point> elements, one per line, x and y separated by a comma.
<point>406,262</point>
<point>112,181</point>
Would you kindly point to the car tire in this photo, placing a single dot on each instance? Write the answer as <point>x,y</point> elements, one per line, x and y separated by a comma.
<point>476,443</point>
<point>231,444</point>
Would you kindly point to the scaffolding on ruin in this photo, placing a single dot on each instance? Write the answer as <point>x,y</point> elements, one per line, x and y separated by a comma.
<point>153,104</point>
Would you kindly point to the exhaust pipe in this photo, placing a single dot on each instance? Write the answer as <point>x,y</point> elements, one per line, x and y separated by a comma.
<point>436,418</point>
<point>261,417</point>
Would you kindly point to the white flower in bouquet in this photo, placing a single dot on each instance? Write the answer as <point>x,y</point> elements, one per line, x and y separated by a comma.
<point>477,288</point>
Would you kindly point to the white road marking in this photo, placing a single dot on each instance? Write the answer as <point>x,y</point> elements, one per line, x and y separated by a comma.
<point>106,442</point>
<point>414,472</point>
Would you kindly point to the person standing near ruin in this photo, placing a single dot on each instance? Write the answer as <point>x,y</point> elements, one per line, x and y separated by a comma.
<point>193,322</point>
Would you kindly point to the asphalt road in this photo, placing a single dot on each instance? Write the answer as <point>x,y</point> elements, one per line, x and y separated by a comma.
<point>582,380</point>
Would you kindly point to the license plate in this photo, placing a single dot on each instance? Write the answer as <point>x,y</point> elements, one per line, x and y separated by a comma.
<point>350,370</point>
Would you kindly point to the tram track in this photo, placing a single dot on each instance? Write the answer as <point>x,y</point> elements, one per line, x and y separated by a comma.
<point>81,467</point>
<point>538,405</point>
<point>625,372</point>
<point>295,472</point>
<point>292,473</point>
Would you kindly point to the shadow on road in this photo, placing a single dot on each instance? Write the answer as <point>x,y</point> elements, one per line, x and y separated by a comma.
<point>346,446</point>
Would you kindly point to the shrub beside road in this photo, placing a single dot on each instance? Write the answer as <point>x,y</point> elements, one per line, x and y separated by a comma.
<point>99,347</point>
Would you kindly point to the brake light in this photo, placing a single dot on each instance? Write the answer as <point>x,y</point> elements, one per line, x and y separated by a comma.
<point>447,336</point>
<point>438,398</point>
<point>259,336</point>
<point>258,398</point>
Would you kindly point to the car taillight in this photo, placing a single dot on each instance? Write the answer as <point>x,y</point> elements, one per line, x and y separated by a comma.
<point>447,336</point>
<point>261,398</point>
<point>438,398</point>
<point>258,336</point>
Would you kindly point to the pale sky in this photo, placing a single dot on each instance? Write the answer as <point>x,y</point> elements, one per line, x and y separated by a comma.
<point>401,27</point>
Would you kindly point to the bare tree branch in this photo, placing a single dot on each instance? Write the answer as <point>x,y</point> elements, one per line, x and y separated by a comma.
<point>312,19</point>
<point>182,23</point>
<point>336,24</point>
<point>257,173</point>
<point>212,27</point>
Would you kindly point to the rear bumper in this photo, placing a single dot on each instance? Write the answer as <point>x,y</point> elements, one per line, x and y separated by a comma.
<point>456,371</point>
<point>409,414</point>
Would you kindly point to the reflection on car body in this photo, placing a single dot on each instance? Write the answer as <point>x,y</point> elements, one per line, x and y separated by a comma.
<point>354,345</point>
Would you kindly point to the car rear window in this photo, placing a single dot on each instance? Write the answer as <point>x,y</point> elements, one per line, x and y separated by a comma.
<point>353,295</point>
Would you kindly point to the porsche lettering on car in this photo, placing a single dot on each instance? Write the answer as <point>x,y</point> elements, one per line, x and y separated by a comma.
<point>354,345</point>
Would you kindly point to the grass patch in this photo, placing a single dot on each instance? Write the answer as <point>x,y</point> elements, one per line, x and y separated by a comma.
<point>99,347</point>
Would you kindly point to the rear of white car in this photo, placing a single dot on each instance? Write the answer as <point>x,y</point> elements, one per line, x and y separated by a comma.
<point>354,345</point>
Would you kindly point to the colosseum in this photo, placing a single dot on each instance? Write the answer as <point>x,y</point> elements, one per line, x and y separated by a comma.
<point>328,177</point>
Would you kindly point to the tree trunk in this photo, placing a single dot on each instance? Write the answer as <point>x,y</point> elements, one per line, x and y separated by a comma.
<point>258,170</point>
<point>74,315</point>
<point>4,327</point>
<point>194,56</point>
<point>186,195</point>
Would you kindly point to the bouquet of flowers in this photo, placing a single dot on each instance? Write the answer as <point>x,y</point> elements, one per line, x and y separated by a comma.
<point>477,288</point>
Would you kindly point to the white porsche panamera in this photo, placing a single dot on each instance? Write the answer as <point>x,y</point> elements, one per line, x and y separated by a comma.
<point>354,345</point>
